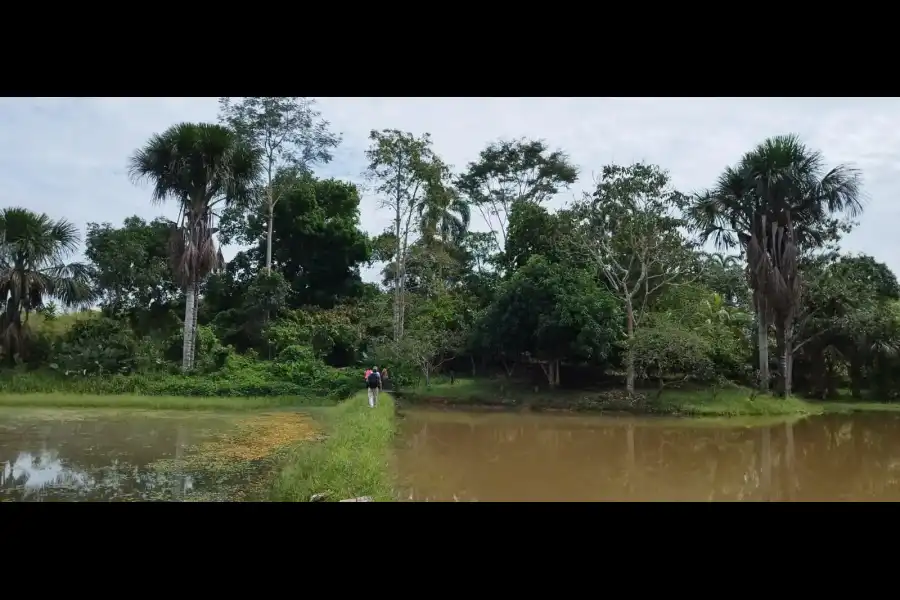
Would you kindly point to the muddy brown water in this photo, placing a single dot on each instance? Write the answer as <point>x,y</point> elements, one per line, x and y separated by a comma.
<point>450,455</point>
<point>101,455</point>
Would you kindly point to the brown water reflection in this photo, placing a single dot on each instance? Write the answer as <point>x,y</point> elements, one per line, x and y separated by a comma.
<point>516,457</point>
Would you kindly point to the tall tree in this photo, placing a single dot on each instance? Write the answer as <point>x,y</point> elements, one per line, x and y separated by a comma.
<point>131,264</point>
<point>289,133</point>
<point>200,166</point>
<point>405,170</point>
<point>550,312</point>
<point>33,253</point>
<point>780,181</point>
<point>630,232</point>
<point>849,315</point>
<point>316,243</point>
<point>444,215</point>
<point>511,171</point>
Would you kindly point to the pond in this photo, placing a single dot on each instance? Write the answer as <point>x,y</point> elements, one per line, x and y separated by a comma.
<point>452,455</point>
<point>106,455</point>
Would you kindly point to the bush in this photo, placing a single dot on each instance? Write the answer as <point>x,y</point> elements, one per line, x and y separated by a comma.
<point>670,350</point>
<point>295,372</point>
<point>98,346</point>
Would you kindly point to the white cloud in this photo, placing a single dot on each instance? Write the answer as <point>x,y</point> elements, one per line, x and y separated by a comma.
<point>67,157</point>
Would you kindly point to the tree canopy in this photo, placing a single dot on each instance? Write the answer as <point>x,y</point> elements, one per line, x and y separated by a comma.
<point>484,268</point>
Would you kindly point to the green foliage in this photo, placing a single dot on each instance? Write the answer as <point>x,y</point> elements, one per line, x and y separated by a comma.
<point>239,376</point>
<point>726,329</point>
<point>263,299</point>
<point>317,244</point>
<point>131,267</point>
<point>671,350</point>
<point>33,249</point>
<point>99,346</point>
<point>510,172</point>
<point>336,336</point>
<point>551,312</point>
<point>611,282</point>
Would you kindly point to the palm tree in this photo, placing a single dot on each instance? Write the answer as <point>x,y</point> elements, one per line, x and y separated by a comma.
<point>445,215</point>
<point>198,165</point>
<point>33,268</point>
<point>782,184</point>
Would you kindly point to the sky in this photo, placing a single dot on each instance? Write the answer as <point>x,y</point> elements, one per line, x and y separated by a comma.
<point>67,157</point>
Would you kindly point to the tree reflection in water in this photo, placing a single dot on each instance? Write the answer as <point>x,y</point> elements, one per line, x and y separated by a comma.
<point>106,458</point>
<point>505,456</point>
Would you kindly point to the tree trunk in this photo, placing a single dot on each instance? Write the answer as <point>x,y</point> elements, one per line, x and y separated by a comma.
<point>787,358</point>
<point>472,358</point>
<point>629,355</point>
<point>556,372</point>
<point>194,324</point>
<point>187,335</point>
<point>397,267</point>
<point>547,368</point>
<point>508,368</point>
<point>789,459</point>
<point>855,376</point>
<point>402,318</point>
<point>762,337</point>
<point>178,483</point>
<point>271,224</point>
<point>779,345</point>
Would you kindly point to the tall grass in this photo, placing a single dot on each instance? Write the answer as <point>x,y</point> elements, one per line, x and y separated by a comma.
<point>353,461</point>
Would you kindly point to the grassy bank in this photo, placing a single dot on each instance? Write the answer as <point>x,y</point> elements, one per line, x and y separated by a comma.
<point>719,402</point>
<point>66,400</point>
<point>854,407</point>
<point>239,378</point>
<point>352,461</point>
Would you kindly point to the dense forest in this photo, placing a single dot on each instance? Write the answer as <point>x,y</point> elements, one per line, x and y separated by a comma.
<point>632,285</point>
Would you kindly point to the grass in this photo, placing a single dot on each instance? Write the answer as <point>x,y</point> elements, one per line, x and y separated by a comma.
<point>854,407</point>
<point>63,400</point>
<point>720,402</point>
<point>736,402</point>
<point>352,461</point>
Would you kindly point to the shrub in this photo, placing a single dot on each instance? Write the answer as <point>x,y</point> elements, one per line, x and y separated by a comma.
<point>98,346</point>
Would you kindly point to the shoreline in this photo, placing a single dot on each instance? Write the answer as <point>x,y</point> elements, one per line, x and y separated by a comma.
<point>698,403</point>
<point>482,396</point>
<point>152,402</point>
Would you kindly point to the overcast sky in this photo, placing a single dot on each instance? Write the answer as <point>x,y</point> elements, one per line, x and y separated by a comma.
<point>67,157</point>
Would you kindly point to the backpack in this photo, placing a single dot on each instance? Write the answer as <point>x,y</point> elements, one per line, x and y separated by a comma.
<point>373,379</point>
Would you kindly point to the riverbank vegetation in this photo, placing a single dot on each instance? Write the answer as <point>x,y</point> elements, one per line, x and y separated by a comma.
<point>693,401</point>
<point>352,462</point>
<point>673,301</point>
<point>139,401</point>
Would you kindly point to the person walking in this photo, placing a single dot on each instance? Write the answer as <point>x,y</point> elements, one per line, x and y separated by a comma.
<point>373,383</point>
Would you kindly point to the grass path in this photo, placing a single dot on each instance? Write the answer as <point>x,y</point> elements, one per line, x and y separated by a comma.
<point>354,459</point>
